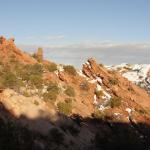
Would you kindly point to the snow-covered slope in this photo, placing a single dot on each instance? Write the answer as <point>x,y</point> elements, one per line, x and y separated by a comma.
<point>137,73</point>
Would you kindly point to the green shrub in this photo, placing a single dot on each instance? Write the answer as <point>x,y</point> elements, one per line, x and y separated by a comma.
<point>36,80</point>
<point>115,102</point>
<point>36,102</point>
<point>84,86</point>
<point>49,96</point>
<point>70,91</point>
<point>99,94</point>
<point>70,70</point>
<point>113,81</point>
<point>28,70</point>
<point>98,114</point>
<point>65,107</point>
<point>51,67</point>
<point>53,91</point>
<point>9,80</point>
<point>36,69</point>
<point>53,87</point>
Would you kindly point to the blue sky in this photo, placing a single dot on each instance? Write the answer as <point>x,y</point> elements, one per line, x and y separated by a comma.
<point>64,21</point>
<point>97,28</point>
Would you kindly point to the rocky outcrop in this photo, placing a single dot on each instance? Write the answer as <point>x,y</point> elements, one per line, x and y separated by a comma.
<point>132,96</point>
<point>8,51</point>
<point>39,55</point>
<point>148,74</point>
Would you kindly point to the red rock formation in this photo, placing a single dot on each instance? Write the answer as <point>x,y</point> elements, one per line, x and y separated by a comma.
<point>9,50</point>
<point>131,95</point>
<point>148,74</point>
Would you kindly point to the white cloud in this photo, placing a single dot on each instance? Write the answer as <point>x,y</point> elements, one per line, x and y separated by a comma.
<point>57,37</point>
<point>92,45</point>
<point>107,52</point>
<point>101,45</point>
<point>48,37</point>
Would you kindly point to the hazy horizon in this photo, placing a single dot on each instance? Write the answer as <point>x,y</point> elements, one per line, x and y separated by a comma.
<point>104,53</point>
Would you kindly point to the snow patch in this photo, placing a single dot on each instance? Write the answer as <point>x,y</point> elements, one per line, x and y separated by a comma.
<point>92,81</point>
<point>129,110</point>
<point>138,73</point>
<point>60,68</point>
<point>80,73</point>
<point>95,100</point>
<point>89,65</point>
<point>98,87</point>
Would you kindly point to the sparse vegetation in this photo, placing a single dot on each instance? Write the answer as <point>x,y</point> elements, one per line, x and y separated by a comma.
<point>70,70</point>
<point>29,70</point>
<point>26,94</point>
<point>70,91</point>
<point>98,114</point>
<point>36,102</point>
<point>114,102</point>
<point>65,107</point>
<point>52,92</point>
<point>113,81</point>
<point>53,87</point>
<point>51,67</point>
<point>50,96</point>
<point>9,80</point>
<point>36,69</point>
<point>36,80</point>
<point>99,94</point>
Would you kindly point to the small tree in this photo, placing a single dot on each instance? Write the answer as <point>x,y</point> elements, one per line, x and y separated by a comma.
<point>70,91</point>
